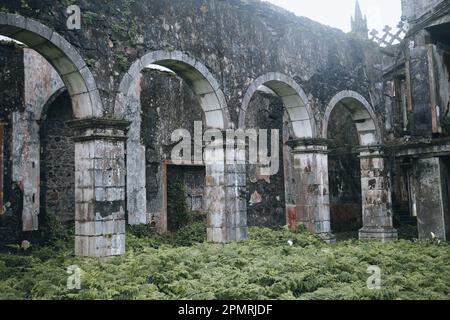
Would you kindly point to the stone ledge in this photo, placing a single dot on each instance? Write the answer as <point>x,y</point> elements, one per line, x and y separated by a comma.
<point>383,234</point>
<point>96,123</point>
<point>328,237</point>
<point>309,145</point>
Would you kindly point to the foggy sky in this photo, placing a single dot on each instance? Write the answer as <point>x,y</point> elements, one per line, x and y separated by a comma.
<point>337,13</point>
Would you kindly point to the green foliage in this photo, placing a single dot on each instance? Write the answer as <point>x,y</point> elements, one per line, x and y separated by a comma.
<point>142,236</point>
<point>127,26</point>
<point>268,265</point>
<point>122,62</point>
<point>178,213</point>
<point>90,18</point>
<point>408,232</point>
<point>445,124</point>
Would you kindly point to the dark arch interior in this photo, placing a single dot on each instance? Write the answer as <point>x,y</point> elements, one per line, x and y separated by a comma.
<point>168,103</point>
<point>266,203</point>
<point>344,172</point>
<point>55,167</point>
<point>57,174</point>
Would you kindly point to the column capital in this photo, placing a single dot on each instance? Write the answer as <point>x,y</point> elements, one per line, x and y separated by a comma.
<point>99,129</point>
<point>309,145</point>
<point>372,151</point>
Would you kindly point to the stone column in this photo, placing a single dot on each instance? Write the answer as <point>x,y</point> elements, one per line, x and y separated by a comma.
<point>312,204</point>
<point>225,198</point>
<point>236,202</point>
<point>26,165</point>
<point>215,195</point>
<point>428,186</point>
<point>100,187</point>
<point>376,197</point>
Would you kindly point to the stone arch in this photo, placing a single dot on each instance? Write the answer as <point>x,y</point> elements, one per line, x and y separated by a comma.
<point>56,146</point>
<point>55,95</point>
<point>294,99</point>
<point>369,132</point>
<point>375,178</point>
<point>213,104</point>
<point>192,71</point>
<point>303,128</point>
<point>42,86</point>
<point>72,69</point>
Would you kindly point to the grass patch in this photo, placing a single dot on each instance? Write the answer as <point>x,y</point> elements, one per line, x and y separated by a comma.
<point>182,265</point>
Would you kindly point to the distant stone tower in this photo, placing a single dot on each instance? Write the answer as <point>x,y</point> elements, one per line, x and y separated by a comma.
<point>359,24</point>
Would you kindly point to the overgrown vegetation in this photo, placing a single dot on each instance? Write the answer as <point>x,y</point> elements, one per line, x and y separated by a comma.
<point>178,213</point>
<point>266,266</point>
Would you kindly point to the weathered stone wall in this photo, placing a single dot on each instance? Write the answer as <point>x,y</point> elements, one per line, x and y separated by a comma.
<point>11,100</point>
<point>413,9</point>
<point>266,205</point>
<point>237,40</point>
<point>167,104</point>
<point>11,79</point>
<point>344,172</point>
<point>58,161</point>
<point>428,187</point>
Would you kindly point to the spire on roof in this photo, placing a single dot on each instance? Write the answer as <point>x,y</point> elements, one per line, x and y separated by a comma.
<point>358,12</point>
<point>359,23</point>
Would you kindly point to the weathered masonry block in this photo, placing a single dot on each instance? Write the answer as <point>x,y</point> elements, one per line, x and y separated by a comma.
<point>376,197</point>
<point>236,205</point>
<point>431,200</point>
<point>312,207</point>
<point>406,86</point>
<point>224,198</point>
<point>100,180</point>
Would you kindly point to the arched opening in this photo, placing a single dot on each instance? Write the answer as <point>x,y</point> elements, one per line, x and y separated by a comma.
<point>266,195</point>
<point>84,101</point>
<point>62,56</point>
<point>351,125</point>
<point>194,95</point>
<point>57,163</point>
<point>43,152</point>
<point>344,173</point>
<point>275,101</point>
<point>177,191</point>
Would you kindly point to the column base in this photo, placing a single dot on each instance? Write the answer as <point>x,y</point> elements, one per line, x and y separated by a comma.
<point>328,237</point>
<point>227,235</point>
<point>100,246</point>
<point>378,234</point>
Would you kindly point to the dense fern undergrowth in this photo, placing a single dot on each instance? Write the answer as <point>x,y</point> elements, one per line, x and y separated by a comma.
<point>269,265</point>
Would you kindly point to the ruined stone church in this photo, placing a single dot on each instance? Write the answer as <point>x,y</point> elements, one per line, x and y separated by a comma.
<point>87,114</point>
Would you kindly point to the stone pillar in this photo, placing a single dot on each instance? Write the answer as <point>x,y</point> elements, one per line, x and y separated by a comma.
<point>236,202</point>
<point>428,185</point>
<point>376,197</point>
<point>99,187</point>
<point>26,165</point>
<point>312,204</point>
<point>225,198</point>
<point>136,177</point>
<point>218,223</point>
<point>136,161</point>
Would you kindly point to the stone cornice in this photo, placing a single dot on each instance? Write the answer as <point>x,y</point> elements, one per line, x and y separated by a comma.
<point>308,142</point>
<point>99,123</point>
<point>99,129</point>
<point>425,20</point>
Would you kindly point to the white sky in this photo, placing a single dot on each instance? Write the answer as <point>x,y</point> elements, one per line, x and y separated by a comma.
<point>337,13</point>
